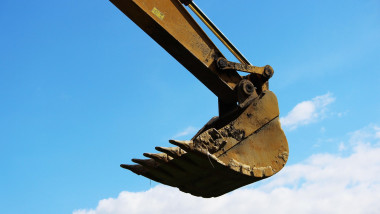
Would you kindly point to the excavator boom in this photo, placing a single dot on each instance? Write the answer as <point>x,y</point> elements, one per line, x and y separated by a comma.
<point>242,145</point>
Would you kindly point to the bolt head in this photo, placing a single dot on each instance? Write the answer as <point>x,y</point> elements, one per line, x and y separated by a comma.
<point>222,63</point>
<point>268,71</point>
<point>248,87</point>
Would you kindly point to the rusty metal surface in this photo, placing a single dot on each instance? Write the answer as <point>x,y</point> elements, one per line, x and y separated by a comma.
<point>172,27</point>
<point>220,159</point>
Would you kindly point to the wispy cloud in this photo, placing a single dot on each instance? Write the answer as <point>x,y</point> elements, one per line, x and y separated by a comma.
<point>365,136</point>
<point>186,132</point>
<point>307,111</point>
<point>324,183</point>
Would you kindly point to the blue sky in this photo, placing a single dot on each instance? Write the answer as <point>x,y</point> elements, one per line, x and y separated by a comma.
<point>83,89</point>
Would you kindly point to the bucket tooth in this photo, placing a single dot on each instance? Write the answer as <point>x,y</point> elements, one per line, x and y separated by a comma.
<point>138,169</point>
<point>185,145</point>
<point>159,157</point>
<point>174,152</point>
<point>150,163</point>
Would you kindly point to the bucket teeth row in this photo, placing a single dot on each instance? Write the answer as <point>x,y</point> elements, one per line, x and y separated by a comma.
<point>182,162</point>
<point>183,166</point>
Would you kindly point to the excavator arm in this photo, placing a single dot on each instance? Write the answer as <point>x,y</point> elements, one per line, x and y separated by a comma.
<point>245,143</point>
<point>172,27</point>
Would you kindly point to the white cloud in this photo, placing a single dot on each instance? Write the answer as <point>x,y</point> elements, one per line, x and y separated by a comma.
<point>307,111</point>
<point>324,183</point>
<point>188,131</point>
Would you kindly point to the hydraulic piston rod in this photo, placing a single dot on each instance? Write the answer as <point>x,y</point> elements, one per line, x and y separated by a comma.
<point>217,32</point>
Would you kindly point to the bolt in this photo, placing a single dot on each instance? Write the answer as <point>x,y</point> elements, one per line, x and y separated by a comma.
<point>248,87</point>
<point>222,63</point>
<point>268,71</point>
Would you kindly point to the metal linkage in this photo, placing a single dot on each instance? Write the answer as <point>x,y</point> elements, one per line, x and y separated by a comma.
<point>266,71</point>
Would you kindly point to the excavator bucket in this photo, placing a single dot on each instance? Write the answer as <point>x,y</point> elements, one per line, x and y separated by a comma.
<point>245,143</point>
<point>224,156</point>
